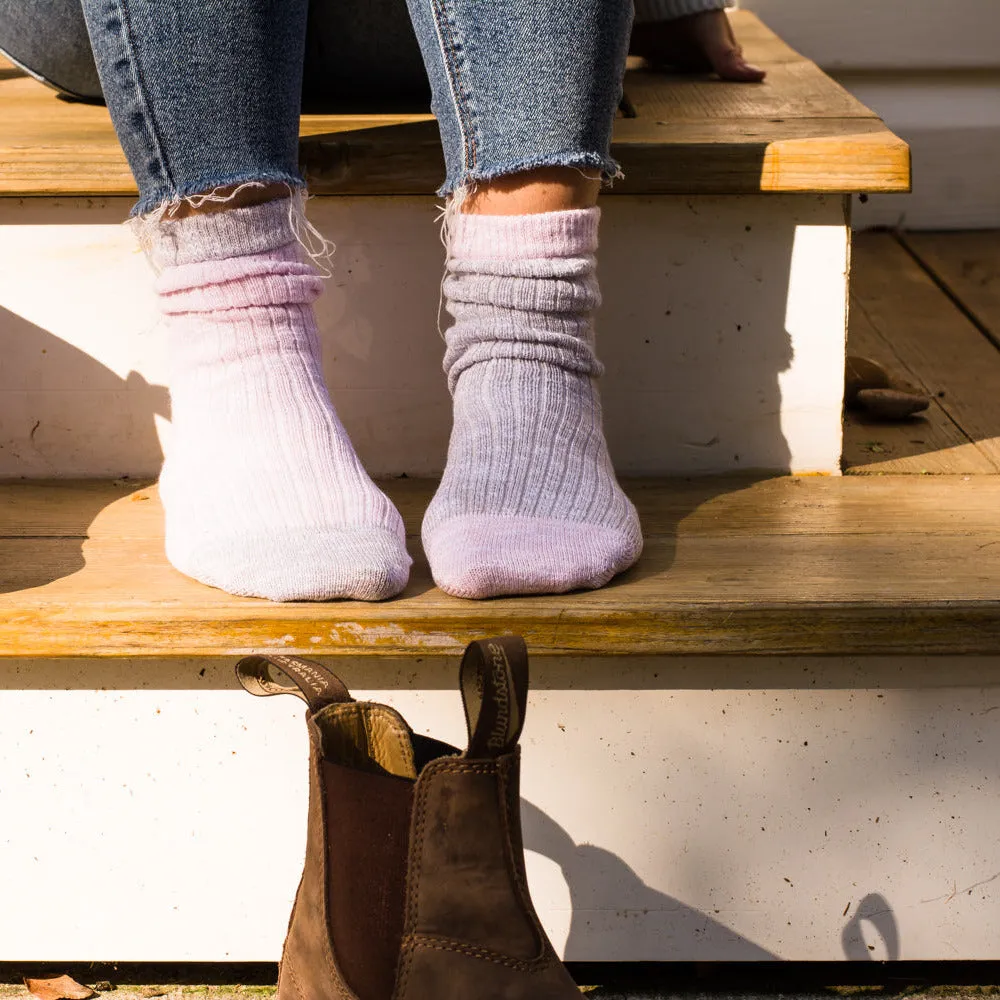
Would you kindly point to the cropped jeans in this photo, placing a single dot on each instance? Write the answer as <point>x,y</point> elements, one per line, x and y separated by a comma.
<point>207,95</point>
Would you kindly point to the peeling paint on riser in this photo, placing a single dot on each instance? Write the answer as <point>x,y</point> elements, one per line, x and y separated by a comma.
<point>722,330</point>
<point>676,809</point>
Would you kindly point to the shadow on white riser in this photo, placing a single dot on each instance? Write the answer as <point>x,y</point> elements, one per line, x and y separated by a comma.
<point>722,332</point>
<point>709,809</point>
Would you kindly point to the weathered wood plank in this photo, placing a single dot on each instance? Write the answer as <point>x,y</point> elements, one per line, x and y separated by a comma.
<point>710,506</point>
<point>740,156</point>
<point>942,350</point>
<point>812,565</point>
<point>799,132</point>
<point>795,89</point>
<point>930,443</point>
<point>968,264</point>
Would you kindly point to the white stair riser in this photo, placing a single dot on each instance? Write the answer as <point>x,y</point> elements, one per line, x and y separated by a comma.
<point>680,809</point>
<point>723,333</point>
<point>896,36</point>
<point>952,124</point>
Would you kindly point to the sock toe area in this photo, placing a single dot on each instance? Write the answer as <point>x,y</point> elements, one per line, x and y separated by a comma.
<point>320,564</point>
<point>479,556</point>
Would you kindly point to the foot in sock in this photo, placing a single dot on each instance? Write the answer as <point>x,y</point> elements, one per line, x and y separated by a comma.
<point>262,491</point>
<point>529,503</point>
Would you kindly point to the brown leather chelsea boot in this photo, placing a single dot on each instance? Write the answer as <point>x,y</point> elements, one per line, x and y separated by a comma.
<point>414,885</point>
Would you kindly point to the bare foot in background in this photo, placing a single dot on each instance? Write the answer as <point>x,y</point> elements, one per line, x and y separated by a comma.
<point>698,43</point>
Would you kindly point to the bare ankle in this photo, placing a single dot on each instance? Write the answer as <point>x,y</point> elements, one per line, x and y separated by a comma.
<point>548,189</point>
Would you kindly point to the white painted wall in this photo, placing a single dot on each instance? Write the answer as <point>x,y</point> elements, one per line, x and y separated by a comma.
<point>931,70</point>
<point>722,330</point>
<point>717,808</point>
<point>952,123</point>
<point>887,34</point>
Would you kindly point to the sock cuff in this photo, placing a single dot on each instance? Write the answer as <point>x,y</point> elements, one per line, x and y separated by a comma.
<point>235,232</point>
<point>572,233</point>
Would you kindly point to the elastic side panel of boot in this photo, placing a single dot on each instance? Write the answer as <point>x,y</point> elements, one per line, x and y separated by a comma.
<point>511,768</point>
<point>368,833</point>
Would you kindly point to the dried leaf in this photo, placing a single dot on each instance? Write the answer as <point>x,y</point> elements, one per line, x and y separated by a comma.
<point>892,404</point>
<point>882,394</point>
<point>863,373</point>
<point>58,988</point>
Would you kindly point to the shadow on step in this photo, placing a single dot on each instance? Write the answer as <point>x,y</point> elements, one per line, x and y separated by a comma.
<point>63,413</point>
<point>395,158</point>
<point>661,518</point>
<point>604,889</point>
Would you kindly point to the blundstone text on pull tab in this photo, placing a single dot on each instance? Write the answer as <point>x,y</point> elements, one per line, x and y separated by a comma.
<point>500,667</point>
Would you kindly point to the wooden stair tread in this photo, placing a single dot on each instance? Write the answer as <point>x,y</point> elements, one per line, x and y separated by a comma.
<point>876,565</point>
<point>902,319</point>
<point>798,131</point>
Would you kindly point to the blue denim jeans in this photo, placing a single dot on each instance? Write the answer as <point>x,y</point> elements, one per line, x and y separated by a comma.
<point>359,56</point>
<point>518,84</point>
<point>49,39</point>
<point>207,94</point>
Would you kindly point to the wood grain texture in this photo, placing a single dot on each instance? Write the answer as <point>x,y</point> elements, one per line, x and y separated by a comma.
<point>799,131</point>
<point>968,265</point>
<point>929,443</point>
<point>795,88</point>
<point>940,348</point>
<point>860,565</point>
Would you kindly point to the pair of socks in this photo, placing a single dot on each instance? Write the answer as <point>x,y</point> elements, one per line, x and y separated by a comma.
<point>263,493</point>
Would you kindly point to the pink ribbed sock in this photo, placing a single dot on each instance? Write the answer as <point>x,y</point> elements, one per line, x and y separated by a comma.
<point>262,491</point>
<point>529,502</point>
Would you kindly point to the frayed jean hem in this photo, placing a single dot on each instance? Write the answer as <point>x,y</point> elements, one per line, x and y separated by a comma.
<point>259,227</point>
<point>469,179</point>
<point>160,200</point>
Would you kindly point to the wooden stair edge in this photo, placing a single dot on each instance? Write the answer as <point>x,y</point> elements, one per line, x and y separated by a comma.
<point>961,628</point>
<point>783,566</point>
<point>798,133</point>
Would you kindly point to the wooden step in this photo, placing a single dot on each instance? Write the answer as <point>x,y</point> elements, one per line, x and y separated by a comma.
<point>919,320</point>
<point>676,808</point>
<point>810,565</point>
<point>798,131</point>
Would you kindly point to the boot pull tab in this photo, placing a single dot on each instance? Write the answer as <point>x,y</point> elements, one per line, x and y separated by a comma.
<point>494,682</point>
<point>314,684</point>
